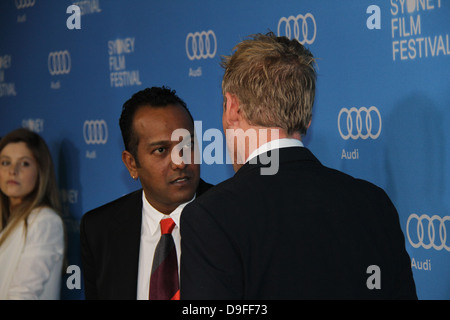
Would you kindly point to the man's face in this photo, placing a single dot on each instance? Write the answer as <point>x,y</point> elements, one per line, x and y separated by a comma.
<point>234,131</point>
<point>165,183</point>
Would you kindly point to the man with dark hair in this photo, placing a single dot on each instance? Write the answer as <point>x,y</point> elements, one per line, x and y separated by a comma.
<point>122,241</point>
<point>303,232</point>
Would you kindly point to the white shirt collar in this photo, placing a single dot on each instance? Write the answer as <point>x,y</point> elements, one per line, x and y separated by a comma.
<point>275,144</point>
<point>153,217</point>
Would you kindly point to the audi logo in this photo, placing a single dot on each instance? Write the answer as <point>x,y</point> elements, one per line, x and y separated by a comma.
<point>427,230</point>
<point>201,45</point>
<point>59,62</point>
<point>21,4</point>
<point>95,131</point>
<point>308,30</point>
<point>370,128</point>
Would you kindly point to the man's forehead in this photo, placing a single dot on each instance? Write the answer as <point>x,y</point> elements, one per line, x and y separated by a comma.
<point>170,113</point>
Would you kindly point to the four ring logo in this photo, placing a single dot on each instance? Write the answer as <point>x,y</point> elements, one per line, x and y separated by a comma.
<point>418,226</point>
<point>201,45</point>
<point>309,29</point>
<point>22,4</point>
<point>95,131</point>
<point>59,62</point>
<point>353,127</point>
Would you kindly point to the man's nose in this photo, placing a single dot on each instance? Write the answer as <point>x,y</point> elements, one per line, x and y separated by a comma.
<point>178,162</point>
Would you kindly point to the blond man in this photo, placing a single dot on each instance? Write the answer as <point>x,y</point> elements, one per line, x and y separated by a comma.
<point>303,231</point>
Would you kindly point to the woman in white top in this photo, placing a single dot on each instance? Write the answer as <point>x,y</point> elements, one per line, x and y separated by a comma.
<point>31,231</point>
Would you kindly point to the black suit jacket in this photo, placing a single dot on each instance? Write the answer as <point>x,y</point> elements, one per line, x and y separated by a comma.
<point>110,241</point>
<point>307,232</point>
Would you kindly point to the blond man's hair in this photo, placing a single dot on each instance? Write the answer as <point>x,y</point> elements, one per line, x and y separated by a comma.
<point>274,79</point>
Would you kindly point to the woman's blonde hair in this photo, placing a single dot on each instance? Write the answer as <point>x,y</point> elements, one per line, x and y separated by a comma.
<point>274,79</point>
<point>45,193</point>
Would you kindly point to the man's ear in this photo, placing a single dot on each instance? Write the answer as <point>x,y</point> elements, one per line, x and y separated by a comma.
<point>130,163</point>
<point>232,113</point>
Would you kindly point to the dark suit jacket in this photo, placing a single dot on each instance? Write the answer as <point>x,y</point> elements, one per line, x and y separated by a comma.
<point>110,241</point>
<point>308,232</point>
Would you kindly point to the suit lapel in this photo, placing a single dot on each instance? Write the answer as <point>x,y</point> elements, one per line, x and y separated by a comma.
<point>125,245</point>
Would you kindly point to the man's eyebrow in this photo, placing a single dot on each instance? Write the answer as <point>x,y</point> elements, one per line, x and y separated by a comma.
<point>163,142</point>
<point>159,143</point>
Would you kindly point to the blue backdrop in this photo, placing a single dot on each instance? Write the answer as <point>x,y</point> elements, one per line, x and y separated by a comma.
<point>382,111</point>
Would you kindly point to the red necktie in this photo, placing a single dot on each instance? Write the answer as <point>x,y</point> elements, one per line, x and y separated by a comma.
<point>164,283</point>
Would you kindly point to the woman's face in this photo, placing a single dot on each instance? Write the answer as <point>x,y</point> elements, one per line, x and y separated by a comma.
<point>18,172</point>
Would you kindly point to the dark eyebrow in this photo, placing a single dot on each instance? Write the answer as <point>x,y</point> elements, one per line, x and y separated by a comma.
<point>164,142</point>
<point>159,143</point>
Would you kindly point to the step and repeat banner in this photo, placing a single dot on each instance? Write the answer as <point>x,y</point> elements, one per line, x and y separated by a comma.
<point>382,111</point>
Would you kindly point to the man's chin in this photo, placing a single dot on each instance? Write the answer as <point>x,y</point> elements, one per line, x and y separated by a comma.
<point>183,195</point>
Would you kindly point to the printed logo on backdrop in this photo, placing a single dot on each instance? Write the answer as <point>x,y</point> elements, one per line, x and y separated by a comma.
<point>120,75</point>
<point>69,199</point>
<point>358,123</point>
<point>95,132</point>
<point>21,5</point>
<point>409,23</point>
<point>6,88</point>
<point>300,27</point>
<point>199,46</point>
<point>429,233</point>
<point>88,6</point>
<point>59,64</point>
<point>35,125</point>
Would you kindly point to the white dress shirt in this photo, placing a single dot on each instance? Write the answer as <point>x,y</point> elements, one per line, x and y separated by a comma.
<point>275,144</point>
<point>150,235</point>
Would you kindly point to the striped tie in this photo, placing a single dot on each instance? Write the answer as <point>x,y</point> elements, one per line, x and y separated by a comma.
<point>164,283</point>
